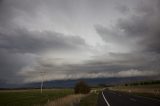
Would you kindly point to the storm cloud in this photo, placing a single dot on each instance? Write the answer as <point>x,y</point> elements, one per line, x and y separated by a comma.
<point>78,39</point>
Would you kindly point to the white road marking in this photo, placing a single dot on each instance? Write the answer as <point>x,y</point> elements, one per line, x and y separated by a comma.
<point>133,99</point>
<point>105,99</point>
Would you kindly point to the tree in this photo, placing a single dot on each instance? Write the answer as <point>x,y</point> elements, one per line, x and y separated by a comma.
<point>81,88</point>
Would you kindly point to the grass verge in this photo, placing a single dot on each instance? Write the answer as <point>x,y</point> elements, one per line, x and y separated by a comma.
<point>71,100</point>
<point>90,100</point>
<point>150,91</point>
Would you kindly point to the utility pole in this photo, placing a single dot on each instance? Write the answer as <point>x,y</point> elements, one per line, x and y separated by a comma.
<point>42,74</point>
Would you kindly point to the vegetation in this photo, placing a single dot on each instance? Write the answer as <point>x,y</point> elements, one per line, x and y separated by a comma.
<point>31,97</point>
<point>81,88</point>
<point>71,100</point>
<point>147,90</point>
<point>90,100</point>
<point>143,83</point>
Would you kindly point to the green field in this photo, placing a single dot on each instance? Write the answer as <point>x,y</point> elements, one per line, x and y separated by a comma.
<point>31,97</point>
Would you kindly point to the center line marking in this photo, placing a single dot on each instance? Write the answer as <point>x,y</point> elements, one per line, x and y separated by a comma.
<point>105,99</point>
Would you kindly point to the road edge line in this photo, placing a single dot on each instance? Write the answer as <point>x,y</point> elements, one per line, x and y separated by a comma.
<point>105,99</point>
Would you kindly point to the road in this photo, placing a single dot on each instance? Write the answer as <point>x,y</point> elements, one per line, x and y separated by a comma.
<point>111,98</point>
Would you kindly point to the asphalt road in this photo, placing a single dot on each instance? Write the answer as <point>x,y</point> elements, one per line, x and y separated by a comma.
<point>111,98</point>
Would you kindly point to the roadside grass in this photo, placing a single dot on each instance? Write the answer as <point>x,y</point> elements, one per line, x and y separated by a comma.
<point>151,91</point>
<point>31,97</point>
<point>70,100</point>
<point>89,100</point>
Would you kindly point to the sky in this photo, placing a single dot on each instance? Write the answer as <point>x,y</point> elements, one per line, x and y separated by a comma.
<point>74,39</point>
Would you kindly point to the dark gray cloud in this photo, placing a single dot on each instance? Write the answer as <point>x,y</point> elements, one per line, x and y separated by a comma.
<point>58,36</point>
<point>138,38</point>
<point>11,64</point>
<point>21,48</point>
<point>25,41</point>
<point>142,27</point>
<point>123,9</point>
<point>145,25</point>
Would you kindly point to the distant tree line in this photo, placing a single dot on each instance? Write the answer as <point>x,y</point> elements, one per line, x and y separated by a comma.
<point>143,83</point>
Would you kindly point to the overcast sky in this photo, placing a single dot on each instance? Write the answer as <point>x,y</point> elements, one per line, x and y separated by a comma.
<point>72,39</point>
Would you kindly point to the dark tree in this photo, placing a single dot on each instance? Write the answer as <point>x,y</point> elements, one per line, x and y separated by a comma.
<point>81,88</point>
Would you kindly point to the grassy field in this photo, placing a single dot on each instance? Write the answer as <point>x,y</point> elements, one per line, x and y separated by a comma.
<point>31,97</point>
<point>152,91</point>
<point>90,100</point>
